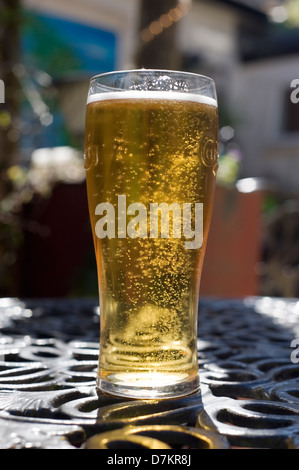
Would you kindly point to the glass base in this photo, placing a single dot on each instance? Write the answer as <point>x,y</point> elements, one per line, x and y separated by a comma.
<point>147,385</point>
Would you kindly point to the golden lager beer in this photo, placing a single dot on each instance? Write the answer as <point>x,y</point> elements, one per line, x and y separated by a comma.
<point>151,160</point>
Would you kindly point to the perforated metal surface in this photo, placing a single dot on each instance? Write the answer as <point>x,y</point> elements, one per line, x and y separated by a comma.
<point>249,381</point>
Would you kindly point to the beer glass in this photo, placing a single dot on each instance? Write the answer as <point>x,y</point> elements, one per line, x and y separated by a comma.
<point>151,156</point>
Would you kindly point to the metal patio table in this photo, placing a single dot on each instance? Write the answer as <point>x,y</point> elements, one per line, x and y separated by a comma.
<point>247,352</point>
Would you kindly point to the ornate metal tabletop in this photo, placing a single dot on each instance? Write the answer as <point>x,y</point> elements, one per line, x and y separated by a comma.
<point>247,352</point>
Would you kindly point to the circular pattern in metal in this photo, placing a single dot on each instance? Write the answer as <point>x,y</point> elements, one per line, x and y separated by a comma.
<point>249,384</point>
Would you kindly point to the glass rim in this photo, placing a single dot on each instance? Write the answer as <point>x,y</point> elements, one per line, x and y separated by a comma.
<point>145,70</point>
<point>152,80</point>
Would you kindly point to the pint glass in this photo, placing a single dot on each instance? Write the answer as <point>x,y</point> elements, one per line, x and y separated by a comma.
<point>151,156</point>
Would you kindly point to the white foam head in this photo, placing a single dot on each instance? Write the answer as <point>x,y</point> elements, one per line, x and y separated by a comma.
<point>154,95</point>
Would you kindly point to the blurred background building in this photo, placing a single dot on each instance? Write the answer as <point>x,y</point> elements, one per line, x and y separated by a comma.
<point>49,50</point>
